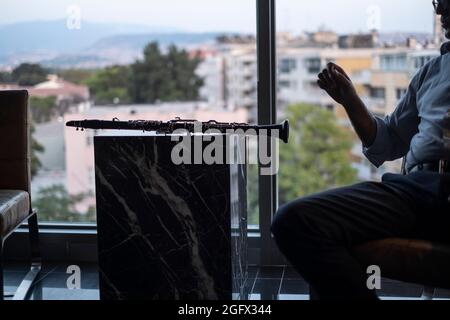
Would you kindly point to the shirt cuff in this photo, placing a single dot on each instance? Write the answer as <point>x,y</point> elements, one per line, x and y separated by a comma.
<point>377,153</point>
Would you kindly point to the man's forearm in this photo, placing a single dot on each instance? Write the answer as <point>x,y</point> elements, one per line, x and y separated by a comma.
<point>362,120</point>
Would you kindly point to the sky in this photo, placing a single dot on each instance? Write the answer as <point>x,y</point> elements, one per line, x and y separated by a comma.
<point>233,15</point>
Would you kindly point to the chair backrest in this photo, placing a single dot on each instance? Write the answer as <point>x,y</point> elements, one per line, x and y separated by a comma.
<point>15,156</point>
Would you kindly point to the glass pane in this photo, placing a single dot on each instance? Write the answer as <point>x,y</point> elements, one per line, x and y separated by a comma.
<point>380,48</point>
<point>380,44</point>
<point>129,60</point>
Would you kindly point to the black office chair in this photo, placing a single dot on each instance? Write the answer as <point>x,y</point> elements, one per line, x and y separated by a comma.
<point>415,261</point>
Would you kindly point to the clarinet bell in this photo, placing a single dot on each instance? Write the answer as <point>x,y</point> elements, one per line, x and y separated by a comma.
<point>284,134</point>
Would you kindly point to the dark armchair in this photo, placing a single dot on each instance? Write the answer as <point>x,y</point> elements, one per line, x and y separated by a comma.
<point>15,198</point>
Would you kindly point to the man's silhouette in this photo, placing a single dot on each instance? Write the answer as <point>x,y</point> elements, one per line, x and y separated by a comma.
<point>316,233</point>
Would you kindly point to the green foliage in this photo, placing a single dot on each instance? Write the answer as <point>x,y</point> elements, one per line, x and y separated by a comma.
<point>183,83</point>
<point>316,159</point>
<point>28,74</point>
<point>55,204</point>
<point>318,156</point>
<point>252,195</point>
<point>164,77</point>
<point>157,77</point>
<point>148,76</point>
<point>110,85</point>
<point>35,149</point>
<point>77,76</point>
<point>5,77</point>
<point>43,109</point>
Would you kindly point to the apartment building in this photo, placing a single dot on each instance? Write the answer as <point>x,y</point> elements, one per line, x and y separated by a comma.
<point>380,74</point>
<point>297,81</point>
<point>230,77</point>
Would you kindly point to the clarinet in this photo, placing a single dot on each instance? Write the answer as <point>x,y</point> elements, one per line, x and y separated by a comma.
<point>178,123</point>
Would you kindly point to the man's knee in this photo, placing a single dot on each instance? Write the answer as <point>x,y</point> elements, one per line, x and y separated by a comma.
<point>290,219</point>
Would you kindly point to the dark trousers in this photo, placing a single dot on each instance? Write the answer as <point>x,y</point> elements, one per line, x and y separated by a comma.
<point>316,233</point>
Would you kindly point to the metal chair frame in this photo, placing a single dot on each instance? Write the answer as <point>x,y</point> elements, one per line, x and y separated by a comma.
<point>25,286</point>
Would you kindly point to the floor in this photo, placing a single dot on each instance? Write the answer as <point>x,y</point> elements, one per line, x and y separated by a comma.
<point>265,283</point>
<point>52,282</point>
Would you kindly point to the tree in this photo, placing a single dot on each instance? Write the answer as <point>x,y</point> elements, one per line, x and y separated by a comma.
<point>184,84</point>
<point>110,85</point>
<point>28,74</point>
<point>5,77</point>
<point>56,204</point>
<point>318,157</point>
<point>149,76</point>
<point>43,109</point>
<point>164,77</point>
<point>77,76</point>
<point>35,149</point>
<point>158,76</point>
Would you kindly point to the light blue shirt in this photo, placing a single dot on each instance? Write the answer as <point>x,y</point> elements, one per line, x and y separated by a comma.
<point>415,127</point>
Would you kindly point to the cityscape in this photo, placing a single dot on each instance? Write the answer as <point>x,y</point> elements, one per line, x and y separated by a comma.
<point>222,72</point>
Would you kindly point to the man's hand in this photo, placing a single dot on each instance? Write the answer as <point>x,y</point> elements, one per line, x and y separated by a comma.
<point>337,84</point>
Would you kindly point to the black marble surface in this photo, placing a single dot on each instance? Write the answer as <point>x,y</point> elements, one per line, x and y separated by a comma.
<point>166,231</point>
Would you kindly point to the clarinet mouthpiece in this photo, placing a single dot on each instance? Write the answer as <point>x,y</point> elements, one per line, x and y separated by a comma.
<point>72,124</point>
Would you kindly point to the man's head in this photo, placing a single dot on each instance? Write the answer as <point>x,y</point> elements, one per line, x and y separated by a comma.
<point>442,8</point>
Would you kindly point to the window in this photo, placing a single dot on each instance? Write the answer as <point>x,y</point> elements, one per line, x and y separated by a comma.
<point>313,65</point>
<point>394,62</point>
<point>67,56</point>
<point>378,93</point>
<point>371,43</point>
<point>285,84</point>
<point>374,47</point>
<point>288,65</point>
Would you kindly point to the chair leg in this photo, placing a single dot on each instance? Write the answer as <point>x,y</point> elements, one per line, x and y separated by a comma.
<point>36,260</point>
<point>428,293</point>
<point>3,293</point>
<point>33,228</point>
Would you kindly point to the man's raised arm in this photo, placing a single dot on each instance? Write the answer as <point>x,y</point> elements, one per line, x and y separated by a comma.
<point>383,139</point>
<point>338,85</point>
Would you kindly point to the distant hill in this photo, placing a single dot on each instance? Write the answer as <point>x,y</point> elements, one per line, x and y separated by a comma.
<point>94,45</point>
<point>55,36</point>
<point>126,48</point>
<point>123,49</point>
<point>77,61</point>
<point>138,41</point>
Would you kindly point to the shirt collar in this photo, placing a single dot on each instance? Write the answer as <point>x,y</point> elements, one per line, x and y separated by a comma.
<point>445,48</point>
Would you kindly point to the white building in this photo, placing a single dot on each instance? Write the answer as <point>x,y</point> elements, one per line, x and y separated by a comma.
<point>380,75</point>
<point>212,71</point>
<point>79,146</point>
<point>230,78</point>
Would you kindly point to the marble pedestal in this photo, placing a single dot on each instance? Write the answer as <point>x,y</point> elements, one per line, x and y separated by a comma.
<point>166,231</point>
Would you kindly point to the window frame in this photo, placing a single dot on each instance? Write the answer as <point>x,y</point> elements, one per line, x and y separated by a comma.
<point>267,114</point>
